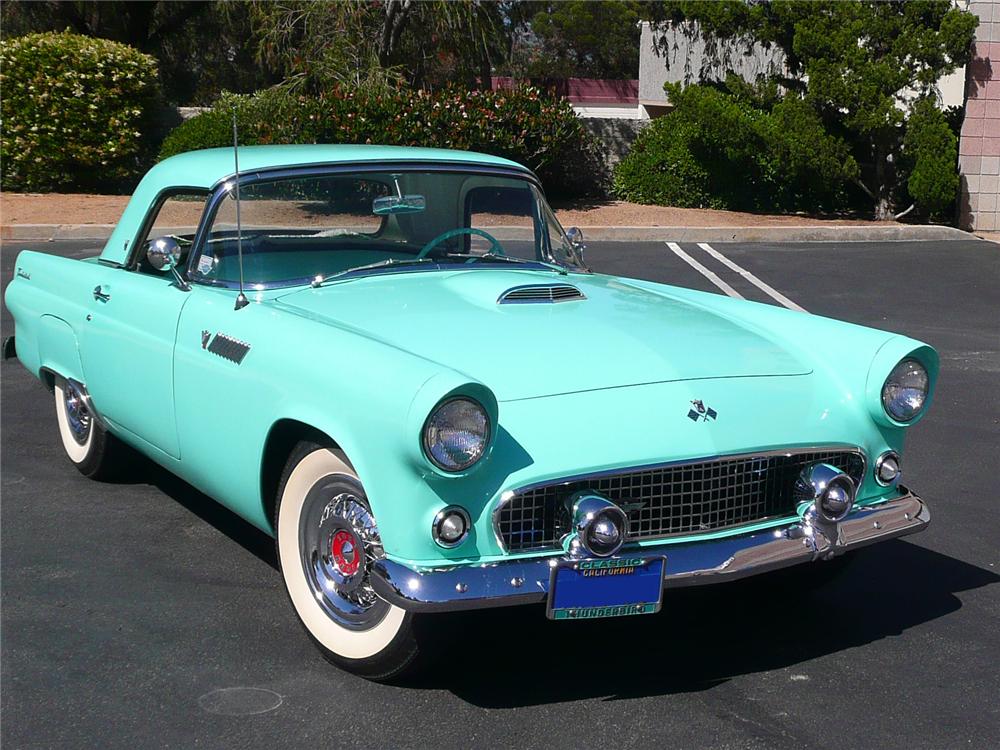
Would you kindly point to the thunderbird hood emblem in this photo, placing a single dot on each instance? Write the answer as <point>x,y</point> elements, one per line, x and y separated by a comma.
<point>700,412</point>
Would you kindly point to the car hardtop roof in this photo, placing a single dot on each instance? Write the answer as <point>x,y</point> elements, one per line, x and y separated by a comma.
<point>206,168</point>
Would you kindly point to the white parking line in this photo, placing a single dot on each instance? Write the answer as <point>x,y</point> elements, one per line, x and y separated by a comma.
<point>703,271</point>
<point>768,290</point>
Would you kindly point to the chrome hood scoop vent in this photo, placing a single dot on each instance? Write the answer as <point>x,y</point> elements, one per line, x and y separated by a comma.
<point>540,294</point>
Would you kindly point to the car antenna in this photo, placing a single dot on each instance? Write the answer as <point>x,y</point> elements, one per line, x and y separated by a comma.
<point>241,299</point>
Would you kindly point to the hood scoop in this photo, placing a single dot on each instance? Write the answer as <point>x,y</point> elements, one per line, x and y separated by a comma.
<point>540,294</point>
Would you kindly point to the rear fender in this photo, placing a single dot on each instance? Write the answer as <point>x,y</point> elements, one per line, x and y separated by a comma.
<point>58,351</point>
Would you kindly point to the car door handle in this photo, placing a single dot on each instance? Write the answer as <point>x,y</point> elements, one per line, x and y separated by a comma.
<point>100,294</point>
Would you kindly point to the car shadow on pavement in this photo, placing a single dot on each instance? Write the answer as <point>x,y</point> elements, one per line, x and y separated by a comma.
<point>701,638</point>
<point>248,536</point>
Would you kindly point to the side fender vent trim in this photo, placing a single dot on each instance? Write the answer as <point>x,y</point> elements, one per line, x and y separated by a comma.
<point>229,348</point>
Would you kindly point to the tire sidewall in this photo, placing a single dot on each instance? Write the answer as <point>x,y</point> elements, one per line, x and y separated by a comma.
<point>80,454</point>
<point>350,647</point>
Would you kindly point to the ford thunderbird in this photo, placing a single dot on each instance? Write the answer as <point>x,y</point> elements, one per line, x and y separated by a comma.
<point>397,363</point>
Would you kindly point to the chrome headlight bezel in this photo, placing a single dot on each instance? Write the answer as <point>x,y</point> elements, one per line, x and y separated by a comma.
<point>900,371</point>
<point>428,441</point>
<point>889,455</point>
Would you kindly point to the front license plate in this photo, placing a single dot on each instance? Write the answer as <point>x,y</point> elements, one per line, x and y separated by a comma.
<point>585,589</point>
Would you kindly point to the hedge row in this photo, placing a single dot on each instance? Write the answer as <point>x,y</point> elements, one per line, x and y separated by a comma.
<point>525,125</point>
<point>719,149</point>
<point>77,113</point>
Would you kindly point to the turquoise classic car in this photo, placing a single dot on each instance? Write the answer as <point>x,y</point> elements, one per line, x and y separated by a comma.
<point>396,362</point>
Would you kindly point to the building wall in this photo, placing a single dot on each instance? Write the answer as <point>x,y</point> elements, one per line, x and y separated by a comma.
<point>979,146</point>
<point>683,55</point>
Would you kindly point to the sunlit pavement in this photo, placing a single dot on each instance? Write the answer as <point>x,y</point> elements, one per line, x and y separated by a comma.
<point>142,614</point>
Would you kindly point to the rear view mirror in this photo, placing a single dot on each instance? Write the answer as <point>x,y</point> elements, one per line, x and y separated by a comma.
<point>398,204</point>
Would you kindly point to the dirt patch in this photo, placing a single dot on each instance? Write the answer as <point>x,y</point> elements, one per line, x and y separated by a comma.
<point>73,208</point>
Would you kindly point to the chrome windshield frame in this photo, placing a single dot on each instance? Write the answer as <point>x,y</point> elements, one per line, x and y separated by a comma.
<point>219,191</point>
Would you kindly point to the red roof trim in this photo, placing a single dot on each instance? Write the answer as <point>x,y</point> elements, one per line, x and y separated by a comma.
<point>581,91</point>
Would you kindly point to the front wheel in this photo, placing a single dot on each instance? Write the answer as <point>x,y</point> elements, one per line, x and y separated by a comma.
<point>327,540</point>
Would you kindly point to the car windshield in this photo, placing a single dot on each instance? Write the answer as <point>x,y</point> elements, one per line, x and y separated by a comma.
<point>304,229</point>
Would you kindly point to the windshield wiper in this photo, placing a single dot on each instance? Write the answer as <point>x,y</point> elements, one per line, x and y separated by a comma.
<point>510,259</point>
<point>320,280</point>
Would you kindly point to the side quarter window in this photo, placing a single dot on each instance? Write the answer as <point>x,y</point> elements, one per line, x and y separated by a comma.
<point>177,216</point>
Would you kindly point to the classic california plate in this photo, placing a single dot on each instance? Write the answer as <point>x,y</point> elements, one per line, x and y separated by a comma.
<point>585,589</point>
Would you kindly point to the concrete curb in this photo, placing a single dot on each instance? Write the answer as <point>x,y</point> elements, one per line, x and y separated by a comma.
<point>50,232</point>
<point>849,233</point>
<point>777,234</point>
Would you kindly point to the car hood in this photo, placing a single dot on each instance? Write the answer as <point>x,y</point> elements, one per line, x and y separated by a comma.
<point>619,334</point>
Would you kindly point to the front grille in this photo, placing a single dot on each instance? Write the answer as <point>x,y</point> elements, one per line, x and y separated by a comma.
<point>679,498</point>
<point>545,293</point>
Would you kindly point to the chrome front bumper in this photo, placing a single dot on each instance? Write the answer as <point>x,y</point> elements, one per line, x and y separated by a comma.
<point>511,582</point>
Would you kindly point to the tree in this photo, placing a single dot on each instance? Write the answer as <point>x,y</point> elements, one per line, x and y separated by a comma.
<point>201,47</point>
<point>577,38</point>
<point>315,43</point>
<point>861,65</point>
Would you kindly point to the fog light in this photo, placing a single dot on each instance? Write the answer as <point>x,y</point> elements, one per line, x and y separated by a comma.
<point>829,489</point>
<point>887,468</point>
<point>601,526</point>
<point>451,526</point>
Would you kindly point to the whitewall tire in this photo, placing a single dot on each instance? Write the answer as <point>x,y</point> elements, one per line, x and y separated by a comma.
<point>90,448</point>
<point>327,540</point>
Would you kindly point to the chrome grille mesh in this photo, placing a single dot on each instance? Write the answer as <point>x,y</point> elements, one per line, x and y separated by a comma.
<point>663,501</point>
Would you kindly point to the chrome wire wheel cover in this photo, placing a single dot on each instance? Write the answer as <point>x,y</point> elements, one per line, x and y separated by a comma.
<point>77,414</point>
<point>338,542</point>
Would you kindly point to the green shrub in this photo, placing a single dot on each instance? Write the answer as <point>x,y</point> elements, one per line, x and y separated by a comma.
<point>930,150</point>
<point>525,125</point>
<point>661,169</point>
<point>77,112</point>
<point>728,149</point>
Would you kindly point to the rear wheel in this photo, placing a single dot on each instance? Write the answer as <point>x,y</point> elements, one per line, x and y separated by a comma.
<point>327,540</point>
<point>91,449</point>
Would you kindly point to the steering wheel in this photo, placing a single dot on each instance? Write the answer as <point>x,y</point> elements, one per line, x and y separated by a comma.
<point>495,249</point>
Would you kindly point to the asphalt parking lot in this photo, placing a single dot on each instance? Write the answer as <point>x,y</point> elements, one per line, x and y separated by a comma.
<point>127,607</point>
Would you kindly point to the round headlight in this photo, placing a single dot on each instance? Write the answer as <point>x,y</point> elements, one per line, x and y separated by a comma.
<point>456,434</point>
<point>905,391</point>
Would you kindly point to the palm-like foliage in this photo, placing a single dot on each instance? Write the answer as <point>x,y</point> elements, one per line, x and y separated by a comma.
<point>372,45</point>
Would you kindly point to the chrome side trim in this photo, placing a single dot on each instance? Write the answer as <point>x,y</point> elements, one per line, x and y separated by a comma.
<point>521,581</point>
<point>509,495</point>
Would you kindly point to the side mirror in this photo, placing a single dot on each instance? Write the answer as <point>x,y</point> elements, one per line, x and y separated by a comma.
<point>575,237</point>
<point>164,254</point>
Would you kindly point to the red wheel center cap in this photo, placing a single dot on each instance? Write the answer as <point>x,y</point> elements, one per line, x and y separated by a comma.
<point>345,553</point>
